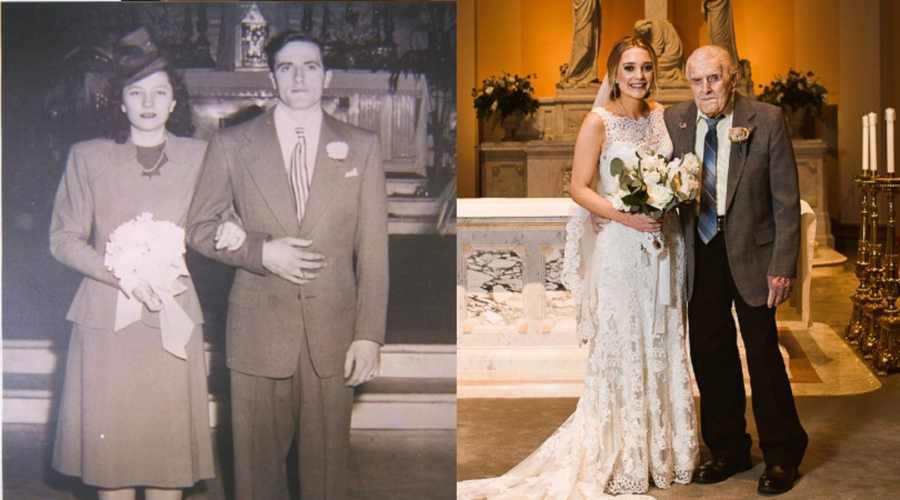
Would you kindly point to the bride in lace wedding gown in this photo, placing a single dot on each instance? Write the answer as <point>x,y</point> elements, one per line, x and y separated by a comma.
<point>635,419</point>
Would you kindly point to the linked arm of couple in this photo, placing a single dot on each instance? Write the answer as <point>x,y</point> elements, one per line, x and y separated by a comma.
<point>784,197</point>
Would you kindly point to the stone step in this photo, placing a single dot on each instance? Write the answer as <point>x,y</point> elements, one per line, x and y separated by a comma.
<point>416,388</point>
<point>397,360</point>
<point>405,185</point>
<point>386,403</point>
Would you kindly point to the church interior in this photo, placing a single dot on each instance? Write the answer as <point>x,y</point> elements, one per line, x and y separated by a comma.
<point>520,368</point>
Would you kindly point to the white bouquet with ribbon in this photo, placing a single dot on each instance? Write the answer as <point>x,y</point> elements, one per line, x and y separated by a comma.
<point>649,184</point>
<point>144,250</point>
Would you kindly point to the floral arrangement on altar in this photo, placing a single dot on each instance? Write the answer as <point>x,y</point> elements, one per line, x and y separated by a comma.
<point>795,92</point>
<point>504,96</point>
<point>650,185</point>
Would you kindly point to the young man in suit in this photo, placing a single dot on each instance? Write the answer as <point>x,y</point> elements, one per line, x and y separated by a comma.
<point>307,309</point>
<point>741,248</point>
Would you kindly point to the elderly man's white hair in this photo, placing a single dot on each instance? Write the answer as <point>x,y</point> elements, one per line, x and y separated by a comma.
<point>729,66</point>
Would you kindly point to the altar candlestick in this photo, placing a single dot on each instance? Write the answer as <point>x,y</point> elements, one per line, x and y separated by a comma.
<point>865,143</point>
<point>873,142</point>
<point>889,116</point>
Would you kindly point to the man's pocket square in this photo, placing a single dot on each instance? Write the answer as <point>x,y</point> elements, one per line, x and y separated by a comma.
<point>351,173</point>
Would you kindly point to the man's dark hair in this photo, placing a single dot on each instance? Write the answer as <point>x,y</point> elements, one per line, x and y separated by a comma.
<point>279,41</point>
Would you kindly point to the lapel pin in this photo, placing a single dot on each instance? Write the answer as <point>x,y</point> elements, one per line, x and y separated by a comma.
<point>337,150</point>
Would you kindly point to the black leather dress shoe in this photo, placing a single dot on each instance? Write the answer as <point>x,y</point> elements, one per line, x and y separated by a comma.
<point>721,468</point>
<point>777,479</point>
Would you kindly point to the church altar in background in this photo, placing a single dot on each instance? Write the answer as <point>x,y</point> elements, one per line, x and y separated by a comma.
<point>539,162</point>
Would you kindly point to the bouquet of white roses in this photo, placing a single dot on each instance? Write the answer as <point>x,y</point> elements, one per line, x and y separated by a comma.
<point>648,184</point>
<point>151,251</point>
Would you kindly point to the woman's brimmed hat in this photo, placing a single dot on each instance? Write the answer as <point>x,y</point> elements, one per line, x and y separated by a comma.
<point>135,56</point>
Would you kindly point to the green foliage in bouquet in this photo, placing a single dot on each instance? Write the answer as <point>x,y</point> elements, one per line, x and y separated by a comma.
<point>504,96</point>
<point>795,92</point>
<point>631,181</point>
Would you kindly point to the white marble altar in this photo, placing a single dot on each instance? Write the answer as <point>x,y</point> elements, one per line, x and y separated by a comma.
<point>515,320</point>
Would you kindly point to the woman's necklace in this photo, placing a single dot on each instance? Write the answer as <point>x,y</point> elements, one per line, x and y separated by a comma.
<point>149,173</point>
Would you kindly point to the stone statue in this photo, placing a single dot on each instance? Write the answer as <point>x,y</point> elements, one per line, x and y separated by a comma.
<point>661,35</point>
<point>582,67</point>
<point>720,18</point>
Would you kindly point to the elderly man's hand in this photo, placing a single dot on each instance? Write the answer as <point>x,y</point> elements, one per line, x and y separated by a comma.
<point>779,290</point>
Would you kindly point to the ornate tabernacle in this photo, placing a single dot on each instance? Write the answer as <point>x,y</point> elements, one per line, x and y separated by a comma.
<point>252,33</point>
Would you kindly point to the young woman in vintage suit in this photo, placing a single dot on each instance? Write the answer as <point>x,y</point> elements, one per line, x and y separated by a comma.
<point>132,413</point>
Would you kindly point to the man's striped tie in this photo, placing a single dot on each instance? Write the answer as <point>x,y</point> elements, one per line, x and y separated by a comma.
<point>707,225</point>
<point>300,180</point>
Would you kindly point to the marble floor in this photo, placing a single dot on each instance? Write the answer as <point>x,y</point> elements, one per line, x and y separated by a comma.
<point>854,450</point>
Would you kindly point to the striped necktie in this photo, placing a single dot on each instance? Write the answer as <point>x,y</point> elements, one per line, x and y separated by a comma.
<point>300,180</point>
<point>707,225</point>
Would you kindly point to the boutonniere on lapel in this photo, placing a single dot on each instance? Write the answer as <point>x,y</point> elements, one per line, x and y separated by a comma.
<point>738,135</point>
<point>337,150</point>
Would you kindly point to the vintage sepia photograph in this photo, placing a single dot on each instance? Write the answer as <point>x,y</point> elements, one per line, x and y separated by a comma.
<point>229,250</point>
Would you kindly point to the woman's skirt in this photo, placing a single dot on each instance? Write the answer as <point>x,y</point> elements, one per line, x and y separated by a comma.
<point>131,413</point>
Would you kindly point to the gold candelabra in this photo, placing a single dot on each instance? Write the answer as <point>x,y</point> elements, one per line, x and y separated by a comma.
<point>874,326</point>
<point>886,348</point>
<point>860,297</point>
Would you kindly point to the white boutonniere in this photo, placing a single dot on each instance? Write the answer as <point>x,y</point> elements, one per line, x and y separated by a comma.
<point>739,134</point>
<point>337,150</point>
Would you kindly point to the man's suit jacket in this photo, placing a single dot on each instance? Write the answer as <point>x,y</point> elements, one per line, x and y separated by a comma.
<point>346,220</point>
<point>762,210</point>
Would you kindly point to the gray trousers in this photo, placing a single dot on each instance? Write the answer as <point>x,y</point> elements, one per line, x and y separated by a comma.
<point>269,415</point>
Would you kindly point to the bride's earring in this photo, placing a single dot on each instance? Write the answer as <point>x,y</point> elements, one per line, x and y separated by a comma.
<point>615,92</point>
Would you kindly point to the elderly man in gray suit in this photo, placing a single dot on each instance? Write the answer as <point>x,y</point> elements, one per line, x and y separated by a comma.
<point>741,245</point>
<point>307,310</point>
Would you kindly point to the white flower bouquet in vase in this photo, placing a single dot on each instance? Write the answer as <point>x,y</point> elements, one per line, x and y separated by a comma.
<point>144,250</point>
<point>651,185</point>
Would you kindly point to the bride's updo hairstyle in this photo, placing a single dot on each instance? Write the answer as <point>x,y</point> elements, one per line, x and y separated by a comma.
<point>615,56</point>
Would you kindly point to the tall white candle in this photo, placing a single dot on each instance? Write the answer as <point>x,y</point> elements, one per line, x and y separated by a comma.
<point>873,142</point>
<point>889,116</point>
<point>865,143</point>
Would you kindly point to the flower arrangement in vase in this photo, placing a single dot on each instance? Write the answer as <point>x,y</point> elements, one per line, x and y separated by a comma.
<point>509,98</point>
<point>802,98</point>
